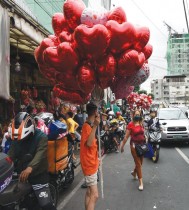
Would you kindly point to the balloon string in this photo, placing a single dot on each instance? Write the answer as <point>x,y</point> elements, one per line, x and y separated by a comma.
<point>13,111</point>
<point>100,157</point>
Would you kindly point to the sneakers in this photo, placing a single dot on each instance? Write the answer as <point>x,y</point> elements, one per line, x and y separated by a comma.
<point>134,175</point>
<point>141,187</point>
<point>117,151</point>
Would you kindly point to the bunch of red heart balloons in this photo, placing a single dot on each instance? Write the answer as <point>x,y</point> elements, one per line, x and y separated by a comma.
<point>93,48</point>
<point>140,101</point>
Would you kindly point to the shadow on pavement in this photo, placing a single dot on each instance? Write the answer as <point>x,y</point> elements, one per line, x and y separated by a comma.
<point>175,144</point>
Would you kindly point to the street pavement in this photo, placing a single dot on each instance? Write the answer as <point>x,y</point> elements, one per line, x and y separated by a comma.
<point>166,184</point>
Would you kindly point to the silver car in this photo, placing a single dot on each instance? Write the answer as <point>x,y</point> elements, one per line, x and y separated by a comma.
<point>174,124</point>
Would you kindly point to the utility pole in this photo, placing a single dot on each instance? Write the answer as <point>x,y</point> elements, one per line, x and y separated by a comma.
<point>186,15</point>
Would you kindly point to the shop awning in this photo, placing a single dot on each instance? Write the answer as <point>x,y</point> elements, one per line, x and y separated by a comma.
<point>25,34</point>
<point>24,27</point>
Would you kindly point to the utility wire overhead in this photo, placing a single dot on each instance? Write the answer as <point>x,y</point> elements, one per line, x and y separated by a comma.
<point>149,19</point>
<point>160,67</point>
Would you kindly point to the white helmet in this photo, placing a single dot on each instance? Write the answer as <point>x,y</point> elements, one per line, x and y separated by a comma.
<point>111,113</point>
<point>22,126</point>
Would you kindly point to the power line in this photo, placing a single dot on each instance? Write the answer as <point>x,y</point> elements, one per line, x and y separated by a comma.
<point>42,7</point>
<point>160,67</point>
<point>148,18</point>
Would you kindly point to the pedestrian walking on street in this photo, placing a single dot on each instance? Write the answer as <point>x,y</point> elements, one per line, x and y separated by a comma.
<point>135,131</point>
<point>89,155</point>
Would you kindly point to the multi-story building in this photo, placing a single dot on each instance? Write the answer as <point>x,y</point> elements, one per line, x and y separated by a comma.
<point>171,89</point>
<point>178,54</point>
<point>156,89</point>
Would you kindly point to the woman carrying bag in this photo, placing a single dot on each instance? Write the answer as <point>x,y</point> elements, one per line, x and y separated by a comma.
<point>135,130</point>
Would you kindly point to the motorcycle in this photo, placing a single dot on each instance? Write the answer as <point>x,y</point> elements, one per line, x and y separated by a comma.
<point>60,152</point>
<point>121,129</point>
<point>20,196</point>
<point>154,140</point>
<point>65,176</point>
<point>107,138</point>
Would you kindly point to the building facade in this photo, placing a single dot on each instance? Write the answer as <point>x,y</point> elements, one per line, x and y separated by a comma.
<point>171,90</point>
<point>178,54</point>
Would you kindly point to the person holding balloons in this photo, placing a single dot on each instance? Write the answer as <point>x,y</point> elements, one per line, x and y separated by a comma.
<point>89,155</point>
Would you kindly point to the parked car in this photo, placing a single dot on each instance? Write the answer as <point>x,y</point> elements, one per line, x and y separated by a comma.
<point>175,125</point>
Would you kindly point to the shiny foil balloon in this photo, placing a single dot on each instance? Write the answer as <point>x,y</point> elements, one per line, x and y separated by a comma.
<point>48,73</point>
<point>91,17</point>
<point>54,39</point>
<point>117,14</point>
<point>65,36</point>
<point>106,69</point>
<point>72,11</point>
<point>68,80</point>
<point>67,95</point>
<point>123,36</point>
<point>86,78</point>
<point>63,57</point>
<point>124,92</point>
<point>129,63</point>
<point>140,77</point>
<point>142,38</point>
<point>92,42</point>
<point>59,23</point>
<point>68,56</point>
<point>39,50</point>
<point>118,84</point>
<point>147,50</point>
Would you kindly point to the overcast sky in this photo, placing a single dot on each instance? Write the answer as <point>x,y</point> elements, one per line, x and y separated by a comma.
<point>152,13</point>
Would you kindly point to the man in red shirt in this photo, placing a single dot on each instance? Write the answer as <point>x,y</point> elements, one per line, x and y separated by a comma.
<point>89,155</point>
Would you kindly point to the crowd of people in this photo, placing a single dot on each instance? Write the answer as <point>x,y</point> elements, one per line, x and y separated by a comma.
<point>34,141</point>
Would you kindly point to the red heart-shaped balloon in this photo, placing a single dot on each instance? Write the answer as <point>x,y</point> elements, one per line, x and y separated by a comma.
<point>123,36</point>
<point>52,59</point>
<point>48,73</point>
<point>142,38</point>
<point>68,56</point>
<point>118,14</point>
<point>47,42</point>
<point>130,62</point>
<point>54,39</point>
<point>65,36</point>
<point>140,77</point>
<point>70,96</point>
<point>86,78</point>
<point>68,81</point>
<point>92,42</point>
<point>106,70</point>
<point>63,58</point>
<point>72,11</point>
<point>147,50</point>
<point>124,92</point>
<point>59,23</point>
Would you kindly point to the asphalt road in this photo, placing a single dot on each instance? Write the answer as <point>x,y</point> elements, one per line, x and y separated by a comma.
<point>166,184</point>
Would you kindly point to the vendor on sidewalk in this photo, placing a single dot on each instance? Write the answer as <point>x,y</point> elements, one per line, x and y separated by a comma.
<point>89,155</point>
